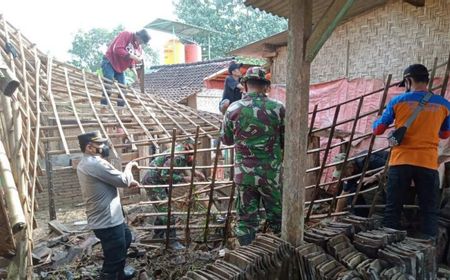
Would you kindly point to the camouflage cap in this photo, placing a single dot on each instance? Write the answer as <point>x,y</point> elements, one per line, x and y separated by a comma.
<point>255,73</point>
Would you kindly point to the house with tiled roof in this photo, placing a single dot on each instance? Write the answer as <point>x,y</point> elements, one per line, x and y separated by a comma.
<point>198,85</point>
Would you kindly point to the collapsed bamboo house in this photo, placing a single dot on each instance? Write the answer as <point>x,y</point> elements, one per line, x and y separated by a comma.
<point>55,102</point>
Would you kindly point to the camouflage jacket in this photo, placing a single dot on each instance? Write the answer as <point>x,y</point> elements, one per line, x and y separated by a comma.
<point>154,176</point>
<point>255,124</point>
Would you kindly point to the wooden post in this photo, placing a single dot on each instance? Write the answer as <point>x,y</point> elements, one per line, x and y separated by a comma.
<point>141,77</point>
<point>297,101</point>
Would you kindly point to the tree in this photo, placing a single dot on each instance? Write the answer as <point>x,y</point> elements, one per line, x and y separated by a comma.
<point>239,25</point>
<point>89,47</point>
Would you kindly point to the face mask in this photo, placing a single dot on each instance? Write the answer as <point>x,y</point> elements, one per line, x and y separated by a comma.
<point>104,153</point>
<point>408,85</point>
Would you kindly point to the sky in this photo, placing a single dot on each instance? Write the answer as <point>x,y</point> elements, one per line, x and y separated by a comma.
<point>52,24</point>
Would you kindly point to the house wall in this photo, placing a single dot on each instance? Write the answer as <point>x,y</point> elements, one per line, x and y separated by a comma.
<point>66,187</point>
<point>208,100</point>
<point>382,41</point>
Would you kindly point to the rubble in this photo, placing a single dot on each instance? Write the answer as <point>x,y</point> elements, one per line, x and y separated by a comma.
<point>72,253</point>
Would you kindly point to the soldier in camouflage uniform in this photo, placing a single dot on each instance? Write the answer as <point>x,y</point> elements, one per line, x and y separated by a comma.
<point>255,124</point>
<point>161,177</point>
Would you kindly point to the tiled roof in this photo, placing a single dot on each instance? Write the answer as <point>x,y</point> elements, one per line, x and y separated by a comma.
<point>179,81</point>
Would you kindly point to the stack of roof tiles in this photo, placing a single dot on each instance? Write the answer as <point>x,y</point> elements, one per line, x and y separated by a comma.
<point>355,248</point>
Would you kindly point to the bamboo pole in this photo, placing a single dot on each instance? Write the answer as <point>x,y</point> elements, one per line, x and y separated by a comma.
<point>446,77</point>
<point>55,109</point>
<point>74,108</point>
<point>138,120</point>
<point>230,202</point>
<point>150,113</point>
<point>169,204</point>
<point>211,193</point>
<point>347,153</point>
<point>324,160</point>
<point>116,116</point>
<point>187,232</point>
<point>94,111</point>
<point>37,135</point>
<point>18,265</point>
<point>15,210</point>
<point>165,113</point>
<point>372,140</point>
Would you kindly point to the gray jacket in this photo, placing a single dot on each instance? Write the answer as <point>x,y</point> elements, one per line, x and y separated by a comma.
<point>99,181</point>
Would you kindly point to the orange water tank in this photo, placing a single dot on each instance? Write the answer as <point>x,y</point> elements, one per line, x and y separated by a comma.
<point>192,53</point>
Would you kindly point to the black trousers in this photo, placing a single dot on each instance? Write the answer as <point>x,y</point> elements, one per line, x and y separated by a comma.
<point>115,243</point>
<point>426,182</point>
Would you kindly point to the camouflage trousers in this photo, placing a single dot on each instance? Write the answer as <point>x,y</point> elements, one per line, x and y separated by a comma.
<point>248,204</point>
<point>160,194</point>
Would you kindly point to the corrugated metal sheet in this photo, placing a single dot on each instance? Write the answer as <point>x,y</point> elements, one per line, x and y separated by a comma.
<point>281,7</point>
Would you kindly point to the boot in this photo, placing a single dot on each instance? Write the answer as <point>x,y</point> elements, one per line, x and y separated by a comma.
<point>104,101</point>
<point>127,273</point>
<point>120,102</point>
<point>174,244</point>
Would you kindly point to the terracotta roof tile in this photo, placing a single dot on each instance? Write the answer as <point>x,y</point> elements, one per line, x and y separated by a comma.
<point>179,81</point>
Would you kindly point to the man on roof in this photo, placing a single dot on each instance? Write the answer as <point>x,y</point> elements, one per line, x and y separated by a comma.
<point>414,155</point>
<point>124,52</point>
<point>255,125</point>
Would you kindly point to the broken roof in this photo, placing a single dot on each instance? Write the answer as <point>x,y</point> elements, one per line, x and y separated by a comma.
<point>70,103</point>
<point>179,81</point>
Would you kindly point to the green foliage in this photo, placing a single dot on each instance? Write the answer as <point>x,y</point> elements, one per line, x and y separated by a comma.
<point>239,25</point>
<point>88,48</point>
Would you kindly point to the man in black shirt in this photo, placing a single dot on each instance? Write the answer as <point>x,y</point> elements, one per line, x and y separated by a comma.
<point>355,167</point>
<point>233,88</point>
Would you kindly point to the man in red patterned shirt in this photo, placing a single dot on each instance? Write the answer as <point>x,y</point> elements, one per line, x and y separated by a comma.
<point>123,53</point>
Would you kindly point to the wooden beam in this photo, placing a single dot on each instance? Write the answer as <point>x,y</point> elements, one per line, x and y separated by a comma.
<point>325,27</point>
<point>297,101</point>
<point>417,3</point>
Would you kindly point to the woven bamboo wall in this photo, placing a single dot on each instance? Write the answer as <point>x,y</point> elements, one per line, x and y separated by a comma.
<point>384,40</point>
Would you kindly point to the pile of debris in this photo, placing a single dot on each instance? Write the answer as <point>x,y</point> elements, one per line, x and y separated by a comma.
<point>73,253</point>
<point>354,248</point>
